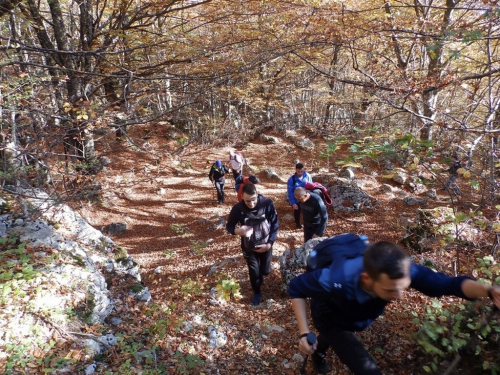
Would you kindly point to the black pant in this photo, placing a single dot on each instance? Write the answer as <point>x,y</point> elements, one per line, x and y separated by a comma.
<point>308,233</point>
<point>296,215</point>
<point>348,348</point>
<point>219,186</point>
<point>259,265</point>
<point>236,173</point>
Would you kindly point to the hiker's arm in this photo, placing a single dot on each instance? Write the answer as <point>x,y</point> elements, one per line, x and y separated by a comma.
<point>299,308</point>
<point>299,288</point>
<point>262,248</point>
<point>272,217</point>
<point>324,218</point>
<point>290,188</point>
<point>244,231</point>
<point>473,290</point>
<point>436,284</point>
<point>232,221</point>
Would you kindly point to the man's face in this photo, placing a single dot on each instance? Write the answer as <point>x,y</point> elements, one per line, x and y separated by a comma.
<point>299,172</point>
<point>302,198</point>
<point>387,289</point>
<point>250,200</point>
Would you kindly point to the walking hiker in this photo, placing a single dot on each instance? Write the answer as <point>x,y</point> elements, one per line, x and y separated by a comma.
<point>255,220</point>
<point>299,178</point>
<point>242,181</point>
<point>216,175</point>
<point>352,292</point>
<point>451,182</point>
<point>314,213</point>
<point>237,161</point>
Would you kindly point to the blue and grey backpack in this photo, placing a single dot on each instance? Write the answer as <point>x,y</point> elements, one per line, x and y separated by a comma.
<point>336,248</point>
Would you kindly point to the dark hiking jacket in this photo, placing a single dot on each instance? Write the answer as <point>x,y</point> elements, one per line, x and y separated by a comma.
<point>338,298</point>
<point>240,211</point>
<point>217,174</point>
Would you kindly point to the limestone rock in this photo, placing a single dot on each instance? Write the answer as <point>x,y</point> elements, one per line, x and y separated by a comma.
<point>348,197</point>
<point>293,262</point>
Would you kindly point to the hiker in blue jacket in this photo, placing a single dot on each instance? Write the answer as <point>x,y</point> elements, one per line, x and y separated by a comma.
<point>216,175</point>
<point>313,211</point>
<point>255,220</point>
<point>350,294</point>
<point>299,178</point>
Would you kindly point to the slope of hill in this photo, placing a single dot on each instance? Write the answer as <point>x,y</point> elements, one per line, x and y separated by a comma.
<point>176,233</point>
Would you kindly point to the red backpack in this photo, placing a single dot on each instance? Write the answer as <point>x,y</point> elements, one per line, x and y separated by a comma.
<point>319,189</point>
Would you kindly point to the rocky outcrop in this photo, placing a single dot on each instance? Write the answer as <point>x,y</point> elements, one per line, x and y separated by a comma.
<point>293,262</point>
<point>271,175</point>
<point>72,262</point>
<point>348,197</point>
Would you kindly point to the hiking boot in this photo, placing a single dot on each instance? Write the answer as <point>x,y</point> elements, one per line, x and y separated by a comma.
<point>256,299</point>
<point>319,363</point>
<point>298,225</point>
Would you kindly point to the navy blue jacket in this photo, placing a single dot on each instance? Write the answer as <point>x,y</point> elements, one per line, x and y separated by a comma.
<point>314,214</point>
<point>240,211</point>
<point>339,299</point>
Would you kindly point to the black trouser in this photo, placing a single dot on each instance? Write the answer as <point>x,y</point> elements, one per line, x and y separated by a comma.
<point>348,348</point>
<point>259,265</point>
<point>296,215</point>
<point>236,173</point>
<point>219,186</point>
<point>308,232</point>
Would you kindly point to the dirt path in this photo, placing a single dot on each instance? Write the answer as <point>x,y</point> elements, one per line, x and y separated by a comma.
<point>176,233</point>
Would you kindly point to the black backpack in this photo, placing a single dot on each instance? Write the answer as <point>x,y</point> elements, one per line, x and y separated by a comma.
<point>261,229</point>
<point>336,248</point>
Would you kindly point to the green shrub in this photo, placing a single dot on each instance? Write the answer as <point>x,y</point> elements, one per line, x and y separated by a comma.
<point>444,330</point>
<point>227,289</point>
<point>187,363</point>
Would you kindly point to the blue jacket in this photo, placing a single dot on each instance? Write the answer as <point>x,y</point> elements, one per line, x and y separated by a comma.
<point>295,182</point>
<point>338,298</point>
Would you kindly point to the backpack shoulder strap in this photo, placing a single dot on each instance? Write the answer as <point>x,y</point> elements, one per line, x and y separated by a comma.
<point>264,201</point>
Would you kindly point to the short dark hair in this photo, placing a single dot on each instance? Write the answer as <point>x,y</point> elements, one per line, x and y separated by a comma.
<point>385,257</point>
<point>299,166</point>
<point>249,189</point>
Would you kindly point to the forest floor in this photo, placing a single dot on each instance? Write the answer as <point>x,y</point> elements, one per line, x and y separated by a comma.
<point>170,209</point>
